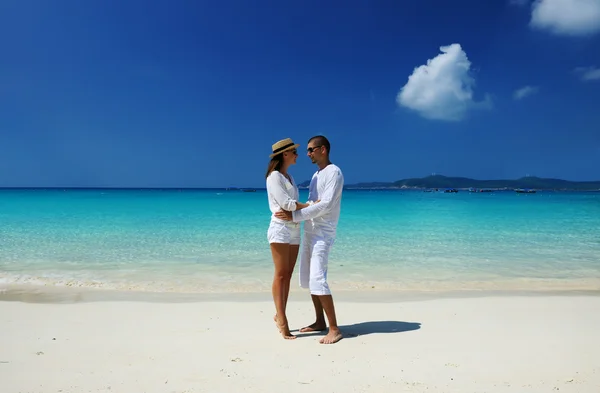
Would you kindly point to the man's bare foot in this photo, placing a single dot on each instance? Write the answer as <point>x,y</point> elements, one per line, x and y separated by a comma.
<point>284,329</point>
<point>332,337</point>
<point>315,327</point>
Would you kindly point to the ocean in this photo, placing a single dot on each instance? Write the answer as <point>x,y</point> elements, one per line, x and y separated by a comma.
<point>214,240</point>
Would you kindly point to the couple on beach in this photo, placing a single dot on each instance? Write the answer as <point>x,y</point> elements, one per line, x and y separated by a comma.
<point>320,215</point>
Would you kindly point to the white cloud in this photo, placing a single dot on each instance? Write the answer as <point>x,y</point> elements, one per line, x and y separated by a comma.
<point>443,88</point>
<point>588,73</point>
<point>525,91</point>
<point>566,17</point>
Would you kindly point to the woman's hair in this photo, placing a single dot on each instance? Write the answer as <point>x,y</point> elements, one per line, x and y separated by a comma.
<point>274,164</point>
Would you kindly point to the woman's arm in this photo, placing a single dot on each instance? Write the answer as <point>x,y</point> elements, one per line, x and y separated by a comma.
<point>277,188</point>
<point>300,205</point>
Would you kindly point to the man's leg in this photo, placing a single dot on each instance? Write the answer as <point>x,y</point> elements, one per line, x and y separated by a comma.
<point>319,288</point>
<point>319,324</point>
<point>334,335</point>
<point>306,251</point>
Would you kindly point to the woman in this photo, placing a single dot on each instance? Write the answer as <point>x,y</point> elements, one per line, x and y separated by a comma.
<point>283,236</point>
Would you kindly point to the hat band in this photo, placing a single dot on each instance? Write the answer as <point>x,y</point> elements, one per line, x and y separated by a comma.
<point>283,148</point>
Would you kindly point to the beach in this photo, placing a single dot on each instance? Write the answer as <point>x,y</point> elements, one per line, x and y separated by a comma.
<point>474,343</point>
<point>169,291</point>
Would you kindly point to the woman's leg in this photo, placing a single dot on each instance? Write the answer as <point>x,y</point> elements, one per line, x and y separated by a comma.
<point>281,255</point>
<point>293,256</point>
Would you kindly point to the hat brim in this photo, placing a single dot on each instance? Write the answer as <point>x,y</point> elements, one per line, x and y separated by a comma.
<point>283,151</point>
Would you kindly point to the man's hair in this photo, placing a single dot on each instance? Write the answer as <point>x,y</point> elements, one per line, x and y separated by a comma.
<point>321,141</point>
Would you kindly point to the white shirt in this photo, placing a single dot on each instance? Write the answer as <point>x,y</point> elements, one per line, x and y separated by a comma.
<point>282,193</point>
<point>326,185</point>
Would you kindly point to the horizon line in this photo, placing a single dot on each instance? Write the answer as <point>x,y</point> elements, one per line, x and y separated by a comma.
<point>355,184</point>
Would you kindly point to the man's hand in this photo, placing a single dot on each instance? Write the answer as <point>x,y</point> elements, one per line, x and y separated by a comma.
<point>284,215</point>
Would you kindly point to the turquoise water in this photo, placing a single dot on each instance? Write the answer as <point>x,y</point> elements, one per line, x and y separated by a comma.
<point>215,240</point>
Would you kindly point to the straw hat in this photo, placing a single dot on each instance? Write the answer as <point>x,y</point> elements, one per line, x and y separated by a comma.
<point>283,145</point>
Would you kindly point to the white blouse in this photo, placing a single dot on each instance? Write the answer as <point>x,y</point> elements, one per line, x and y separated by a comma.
<point>282,193</point>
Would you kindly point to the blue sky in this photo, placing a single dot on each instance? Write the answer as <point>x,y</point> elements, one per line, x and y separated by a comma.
<point>185,93</point>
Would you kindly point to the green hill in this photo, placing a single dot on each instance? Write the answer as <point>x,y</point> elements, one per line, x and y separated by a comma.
<point>439,181</point>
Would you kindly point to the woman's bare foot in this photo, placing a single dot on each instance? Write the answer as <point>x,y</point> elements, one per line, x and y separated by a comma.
<point>332,337</point>
<point>284,329</point>
<point>275,319</point>
<point>315,327</point>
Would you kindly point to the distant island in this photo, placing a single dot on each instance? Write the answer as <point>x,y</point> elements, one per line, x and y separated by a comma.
<point>440,181</point>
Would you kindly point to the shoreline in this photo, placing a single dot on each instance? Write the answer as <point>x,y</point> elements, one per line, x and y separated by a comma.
<point>243,286</point>
<point>67,295</point>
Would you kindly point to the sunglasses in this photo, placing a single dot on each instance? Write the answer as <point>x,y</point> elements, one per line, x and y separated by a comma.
<point>312,149</point>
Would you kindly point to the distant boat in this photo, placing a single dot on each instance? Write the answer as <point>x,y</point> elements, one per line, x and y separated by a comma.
<point>451,190</point>
<point>525,191</point>
<point>241,189</point>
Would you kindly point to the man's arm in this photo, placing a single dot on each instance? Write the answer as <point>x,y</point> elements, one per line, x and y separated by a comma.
<point>333,187</point>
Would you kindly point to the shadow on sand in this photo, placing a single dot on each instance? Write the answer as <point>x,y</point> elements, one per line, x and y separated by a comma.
<point>373,327</point>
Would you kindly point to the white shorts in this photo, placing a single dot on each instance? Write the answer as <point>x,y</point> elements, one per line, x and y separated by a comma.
<point>288,232</point>
<point>314,258</point>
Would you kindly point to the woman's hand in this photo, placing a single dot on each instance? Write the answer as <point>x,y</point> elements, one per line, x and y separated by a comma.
<point>300,205</point>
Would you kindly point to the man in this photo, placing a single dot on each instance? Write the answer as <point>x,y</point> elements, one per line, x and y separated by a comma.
<point>319,235</point>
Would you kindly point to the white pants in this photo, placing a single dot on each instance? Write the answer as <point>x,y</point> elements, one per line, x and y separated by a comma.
<point>314,258</point>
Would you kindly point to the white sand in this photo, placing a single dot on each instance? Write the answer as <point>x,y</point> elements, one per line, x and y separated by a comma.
<point>486,344</point>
